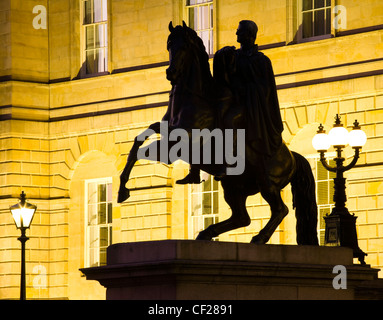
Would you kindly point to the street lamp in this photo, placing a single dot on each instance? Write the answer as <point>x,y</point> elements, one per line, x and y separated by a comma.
<point>22,214</point>
<point>340,224</point>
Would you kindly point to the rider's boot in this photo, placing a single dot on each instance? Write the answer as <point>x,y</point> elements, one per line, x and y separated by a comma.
<point>192,177</point>
<point>221,174</point>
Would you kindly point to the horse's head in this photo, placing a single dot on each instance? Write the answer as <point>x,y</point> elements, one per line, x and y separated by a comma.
<point>177,46</point>
<point>184,47</point>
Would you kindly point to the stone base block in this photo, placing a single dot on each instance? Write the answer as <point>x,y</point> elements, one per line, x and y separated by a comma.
<point>203,270</point>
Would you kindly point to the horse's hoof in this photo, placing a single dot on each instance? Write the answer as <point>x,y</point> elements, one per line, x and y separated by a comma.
<point>123,194</point>
<point>204,236</point>
<point>258,240</point>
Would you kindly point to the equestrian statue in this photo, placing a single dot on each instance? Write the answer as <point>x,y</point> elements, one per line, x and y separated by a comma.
<point>241,94</point>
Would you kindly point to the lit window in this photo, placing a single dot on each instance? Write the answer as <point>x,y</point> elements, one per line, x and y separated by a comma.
<point>316,18</point>
<point>203,205</point>
<point>95,30</point>
<point>200,18</point>
<point>325,194</point>
<point>324,187</point>
<point>98,220</point>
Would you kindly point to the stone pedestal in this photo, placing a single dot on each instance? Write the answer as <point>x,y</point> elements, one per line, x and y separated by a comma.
<point>203,270</point>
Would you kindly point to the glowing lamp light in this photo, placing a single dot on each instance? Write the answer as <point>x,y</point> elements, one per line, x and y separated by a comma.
<point>357,138</point>
<point>339,137</point>
<point>321,141</point>
<point>338,134</point>
<point>23,213</point>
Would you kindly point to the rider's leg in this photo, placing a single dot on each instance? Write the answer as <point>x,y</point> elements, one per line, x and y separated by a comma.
<point>192,177</point>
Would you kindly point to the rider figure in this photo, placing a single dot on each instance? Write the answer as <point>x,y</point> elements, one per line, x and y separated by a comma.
<point>249,75</point>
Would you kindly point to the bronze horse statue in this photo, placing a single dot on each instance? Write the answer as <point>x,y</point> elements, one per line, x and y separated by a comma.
<point>203,103</point>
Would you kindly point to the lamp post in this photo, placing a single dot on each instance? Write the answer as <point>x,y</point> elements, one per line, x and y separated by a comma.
<point>340,224</point>
<point>22,214</point>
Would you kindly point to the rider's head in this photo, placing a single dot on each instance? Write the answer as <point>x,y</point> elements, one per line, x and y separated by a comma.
<point>247,32</point>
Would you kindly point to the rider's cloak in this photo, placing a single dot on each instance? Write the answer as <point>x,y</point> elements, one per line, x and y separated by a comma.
<point>249,74</point>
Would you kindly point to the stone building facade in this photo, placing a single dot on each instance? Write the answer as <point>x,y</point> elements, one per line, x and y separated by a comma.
<point>79,79</point>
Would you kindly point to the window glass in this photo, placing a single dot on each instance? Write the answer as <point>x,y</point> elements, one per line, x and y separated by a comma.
<point>99,211</point>
<point>328,21</point>
<point>318,3</point>
<point>89,33</point>
<point>307,5</point>
<point>324,194</point>
<point>200,18</point>
<point>204,205</point>
<point>97,10</point>
<point>307,24</point>
<point>90,60</point>
<point>87,12</point>
<point>316,18</point>
<point>96,36</point>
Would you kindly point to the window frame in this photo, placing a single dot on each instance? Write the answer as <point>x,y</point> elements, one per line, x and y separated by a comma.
<point>211,28</point>
<point>314,161</point>
<point>199,192</point>
<point>83,39</point>
<point>109,225</point>
<point>299,31</point>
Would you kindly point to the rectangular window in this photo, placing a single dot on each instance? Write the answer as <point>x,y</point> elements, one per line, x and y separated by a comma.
<point>203,208</point>
<point>200,18</point>
<point>95,31</point>
<point>325,194</point>
<point>99,209</point>
<point>316,18</point>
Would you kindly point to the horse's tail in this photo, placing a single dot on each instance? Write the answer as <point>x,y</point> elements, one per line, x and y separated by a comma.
<point>304,202</point>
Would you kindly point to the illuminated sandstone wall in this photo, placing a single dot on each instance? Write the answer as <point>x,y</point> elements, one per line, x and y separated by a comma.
<point>60,128</point>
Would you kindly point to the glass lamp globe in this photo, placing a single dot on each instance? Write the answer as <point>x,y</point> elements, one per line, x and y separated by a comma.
<point>357,138</point>
<point>321,141</point>
<point>23,213</point>
<point>338,134</point>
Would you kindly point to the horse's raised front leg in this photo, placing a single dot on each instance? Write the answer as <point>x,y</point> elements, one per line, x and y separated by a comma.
<point>123,192</point>
<point>239,218</point>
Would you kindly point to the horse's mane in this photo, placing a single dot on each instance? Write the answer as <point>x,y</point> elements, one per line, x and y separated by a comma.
<point>198,47</point>
<point>201,50</point>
